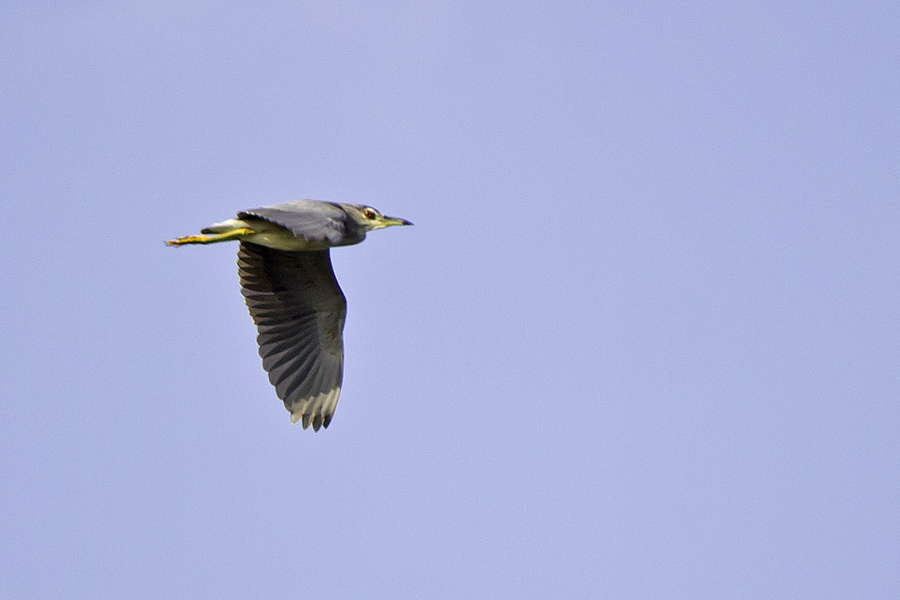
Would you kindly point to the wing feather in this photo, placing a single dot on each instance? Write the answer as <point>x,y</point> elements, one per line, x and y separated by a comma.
<point>310,220</point>
<point>299,310</point>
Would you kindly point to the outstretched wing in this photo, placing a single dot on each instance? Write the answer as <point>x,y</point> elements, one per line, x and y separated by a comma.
<point>307,219</point>
<point>299,312</point>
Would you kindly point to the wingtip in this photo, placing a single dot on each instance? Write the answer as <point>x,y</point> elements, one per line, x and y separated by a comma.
<point>317,421</point>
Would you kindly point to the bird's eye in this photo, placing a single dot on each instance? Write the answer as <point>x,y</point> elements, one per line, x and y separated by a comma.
<point>369,213</point>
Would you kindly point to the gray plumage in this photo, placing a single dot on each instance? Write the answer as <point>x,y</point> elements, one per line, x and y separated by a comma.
<point>313,221</point>
<point>299,310</point>
<point>292,294</point>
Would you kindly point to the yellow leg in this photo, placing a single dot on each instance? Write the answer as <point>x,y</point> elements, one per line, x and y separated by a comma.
<point>234,234</point>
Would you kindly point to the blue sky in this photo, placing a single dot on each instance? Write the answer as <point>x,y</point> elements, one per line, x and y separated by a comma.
<point>642,342</point>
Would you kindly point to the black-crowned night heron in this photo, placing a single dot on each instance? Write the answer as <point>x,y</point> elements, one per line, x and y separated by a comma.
<point>293,296</point>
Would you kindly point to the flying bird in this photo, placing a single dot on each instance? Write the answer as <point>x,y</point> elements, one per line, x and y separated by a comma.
<point>293,296</point>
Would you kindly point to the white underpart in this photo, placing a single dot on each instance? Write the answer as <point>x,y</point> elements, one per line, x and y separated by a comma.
<point>267,234</point>
<point>226,226</point>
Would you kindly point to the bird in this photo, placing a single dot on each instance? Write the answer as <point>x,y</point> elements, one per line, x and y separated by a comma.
<point>293,296</point>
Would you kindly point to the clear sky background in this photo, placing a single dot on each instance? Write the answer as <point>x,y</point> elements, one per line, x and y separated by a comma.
<point>642,342</point>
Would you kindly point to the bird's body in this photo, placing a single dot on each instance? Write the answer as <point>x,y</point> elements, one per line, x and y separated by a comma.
<point>293,296</point>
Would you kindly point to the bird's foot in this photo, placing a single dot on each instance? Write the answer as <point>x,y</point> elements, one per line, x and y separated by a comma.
<point>191,239</point>
<point>234,234</point>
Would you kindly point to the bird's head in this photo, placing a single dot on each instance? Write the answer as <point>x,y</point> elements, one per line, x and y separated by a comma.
<point>371,218</point>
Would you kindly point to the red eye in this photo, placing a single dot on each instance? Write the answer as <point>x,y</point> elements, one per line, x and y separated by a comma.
<point>369,213</point>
